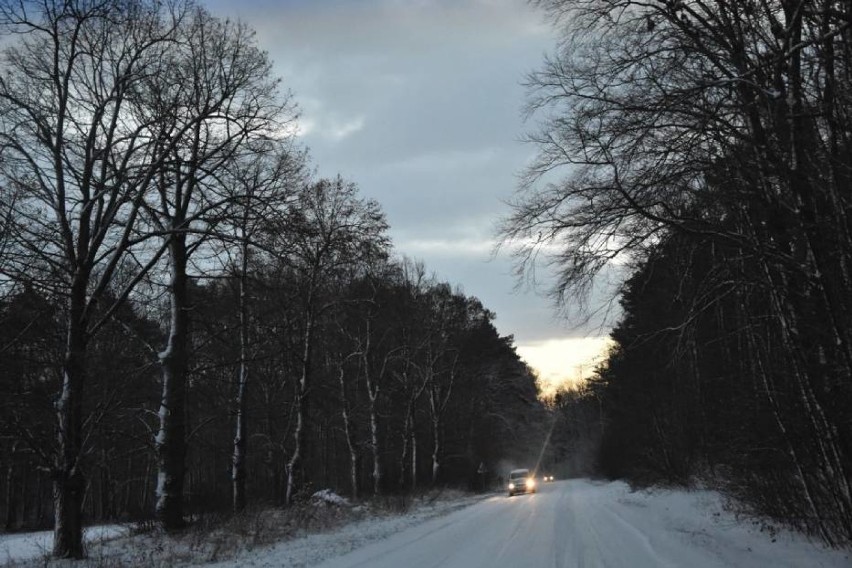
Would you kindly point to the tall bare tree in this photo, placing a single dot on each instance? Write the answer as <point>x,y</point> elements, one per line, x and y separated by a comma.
<point>218,96</point>
<point>81,168</point>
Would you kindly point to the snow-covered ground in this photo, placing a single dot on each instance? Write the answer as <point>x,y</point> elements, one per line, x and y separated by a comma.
<point>567,524</point>
<point>325,527</point>
<point>19,547</point>
<point>580,523</point>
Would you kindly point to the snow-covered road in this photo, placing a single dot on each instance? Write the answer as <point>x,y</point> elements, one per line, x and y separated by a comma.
<point>581,523</point>
<point>567,524</point>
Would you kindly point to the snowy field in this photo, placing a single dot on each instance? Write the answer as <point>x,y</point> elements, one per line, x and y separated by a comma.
<point>567,524</point>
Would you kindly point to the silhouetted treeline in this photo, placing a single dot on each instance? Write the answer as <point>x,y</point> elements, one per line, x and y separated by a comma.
<point>435,363</point>
<point>706,382</point>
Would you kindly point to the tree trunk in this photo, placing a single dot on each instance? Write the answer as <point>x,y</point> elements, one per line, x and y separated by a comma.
<point>409,437</point>
<point>350,437</point>
<point>374,444</point>
<point>69,484</point>
<point>413,456</point>
<point>10,521</point>
<point>40,513</point>
<point>373,396</point>
<point>301,407</point>
<point>104,497</point>
<point>171,439</point>
<point>294,462</point>
<point>238,471</point>
<point>438,404</point>
<point>403,456</point>
<point>25,512</point>
<point>436,451</point>
<point>436,437</point>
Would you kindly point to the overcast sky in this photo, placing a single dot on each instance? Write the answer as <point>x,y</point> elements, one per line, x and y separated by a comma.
<point>419,102</point>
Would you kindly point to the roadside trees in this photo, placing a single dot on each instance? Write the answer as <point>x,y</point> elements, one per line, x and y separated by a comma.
<point>329,234</point>
<point>263,183</point>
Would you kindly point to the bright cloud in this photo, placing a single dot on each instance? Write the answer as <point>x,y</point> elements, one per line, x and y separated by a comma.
<point>476,247</point>
<point>446,161</point>
<point>329,128</point>
<point>341,130</point>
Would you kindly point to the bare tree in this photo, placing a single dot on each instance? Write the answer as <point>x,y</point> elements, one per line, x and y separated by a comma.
<point>348,424</point>
<point>73,156</point>
<point>331,231</point>
<point>376,352</point>
<point>412,383</point>
<point>263,182</point>
<point>438,366</point>
<point>218,96</point>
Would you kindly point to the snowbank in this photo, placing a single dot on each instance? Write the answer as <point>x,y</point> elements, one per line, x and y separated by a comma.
<point>330,497</point>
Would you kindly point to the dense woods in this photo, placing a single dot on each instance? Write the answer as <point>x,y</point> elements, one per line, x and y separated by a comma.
<point>705,144</point>
<point>190,320</point>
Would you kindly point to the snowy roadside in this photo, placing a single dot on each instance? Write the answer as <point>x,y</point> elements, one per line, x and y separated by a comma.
<point>325,527</point>
<point>702,527</point>
<point>312,549</point>
<point>570,523</point>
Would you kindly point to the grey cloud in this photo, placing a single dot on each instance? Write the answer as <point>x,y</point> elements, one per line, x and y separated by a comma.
<point>419,103</point>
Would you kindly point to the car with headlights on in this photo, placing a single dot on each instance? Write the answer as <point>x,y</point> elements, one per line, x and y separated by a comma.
<point>521,481</point>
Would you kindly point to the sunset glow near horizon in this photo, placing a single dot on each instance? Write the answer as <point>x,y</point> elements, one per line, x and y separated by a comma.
<point>562,363</point>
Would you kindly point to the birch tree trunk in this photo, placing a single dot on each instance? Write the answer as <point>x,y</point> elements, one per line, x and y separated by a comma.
<point>409,440</point>
<point>350,435</point>
<point>238,470</point>
<point>170,442</point>
<point>301,403</point>
<point>403,454</point>
<point>374,444</point>
<point>438,399</point>
<point>373,395</point>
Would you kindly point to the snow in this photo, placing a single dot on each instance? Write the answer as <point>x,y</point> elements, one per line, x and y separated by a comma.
<point>330,497</point>
<point>18,547</point>
<point>313,549</point>
<point>567,524</point>
<point>583,523</point>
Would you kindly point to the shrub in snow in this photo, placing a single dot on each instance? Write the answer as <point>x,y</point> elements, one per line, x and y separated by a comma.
<point>330,497</point>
